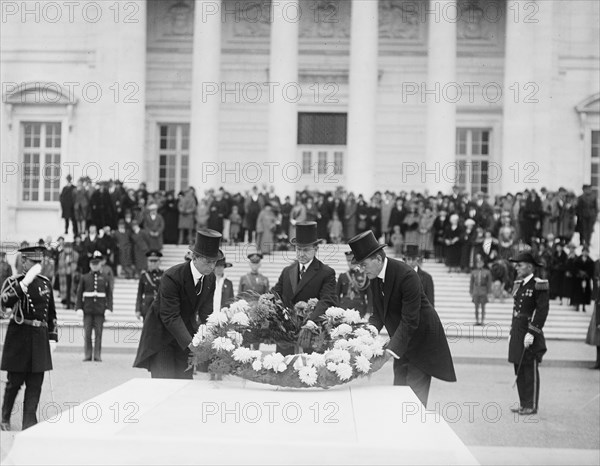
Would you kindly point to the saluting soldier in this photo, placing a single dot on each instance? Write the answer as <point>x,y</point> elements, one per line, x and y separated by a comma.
<point>32,329</point>
<point>527,344</point>
<point>94,298</point>
<point>253,281</point>
<point>149,284</point>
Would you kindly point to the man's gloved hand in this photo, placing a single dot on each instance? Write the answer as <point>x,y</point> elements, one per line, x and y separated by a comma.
<point>138,315</point>
<point>33,272</point>
<point>53,346</point>
<point>528,340</point>
<point>79,312</point>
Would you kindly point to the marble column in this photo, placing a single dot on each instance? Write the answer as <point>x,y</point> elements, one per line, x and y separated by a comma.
<point>204,167</point>
<point>283,107</point>
<point>361,157</point>
<point>440,159</point>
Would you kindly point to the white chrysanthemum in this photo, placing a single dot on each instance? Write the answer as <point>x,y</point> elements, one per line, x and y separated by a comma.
<point>351,316</point>
<point>236,337</point>
<point>373,330</point>
<point>257,354</point>
<point>257,365</point>
<point>274,361</point>
<point>377,347</point>
<point>342,344</point>
<point>315,360</point>
<point>340,331</point>
<point>334,312</point>
<point>299,363</point>
<point>222,343</point>
<point>243,355</point>
<point>359,332</point>
<point>217,319</point>
<point>362,364</point>
<point>338,355</point>
<point>332,366</point>
<point>308,375</point>
<point>344,371</point>
<point>200,335</point>
<point>240,318</point>
<point>366,339</point>
<point>239,306</point>
<point>366,351</point>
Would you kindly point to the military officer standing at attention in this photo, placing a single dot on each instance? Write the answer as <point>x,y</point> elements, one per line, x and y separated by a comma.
<point>253,281</point>
<point>31,335</point>
<point>527,344</point>
<point>148,285</point>
<point>94,298</point>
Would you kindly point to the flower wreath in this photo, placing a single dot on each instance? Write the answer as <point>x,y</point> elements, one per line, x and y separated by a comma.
<point>349,346</point>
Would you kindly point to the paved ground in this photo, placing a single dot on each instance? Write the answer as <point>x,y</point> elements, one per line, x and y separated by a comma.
<point>567,430</point>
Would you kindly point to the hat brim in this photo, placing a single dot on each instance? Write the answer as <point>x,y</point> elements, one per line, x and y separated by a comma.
<point>218,257</point>
<point>528,262</point>
<point>293,242</point>
<point>357,261</point>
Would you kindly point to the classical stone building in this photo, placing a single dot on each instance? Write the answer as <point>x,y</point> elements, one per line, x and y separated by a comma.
<point>492,95</point>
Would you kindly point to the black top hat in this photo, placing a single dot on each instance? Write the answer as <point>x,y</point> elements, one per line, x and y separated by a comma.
<point>306,234</point>
<point>526,256</point>
<point>33,253</point>
<point>207,244</point>
<point>412,251</point>
<point>154,254</point>
<point>364,245</point>
<point>222,263</point>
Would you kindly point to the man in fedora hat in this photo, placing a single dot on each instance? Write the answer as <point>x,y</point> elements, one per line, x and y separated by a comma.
<point>412,256</point>
<point>306,278</point>
<point>148,284</point>
<point>184,301</point>
<point>417,339</point>
<point>527,345</point>
<point>224,294</point>
<point>27,348</point>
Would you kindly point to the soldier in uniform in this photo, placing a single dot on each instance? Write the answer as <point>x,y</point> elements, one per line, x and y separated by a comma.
<point>149,283</point>
<point>253,281</point>
<point>27,348</point>
<point>94,298</point>
<point>527,344</point>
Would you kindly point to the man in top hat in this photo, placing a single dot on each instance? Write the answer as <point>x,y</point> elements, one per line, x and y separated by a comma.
<point>352,286</point>
<point>253,282</point>
<point>27,348</point>
<point>94,298</point>
<point>417,339</point>
<point>224,294</point>
<point>412,256</point>
<point>306,278</point>
<point>148,285</point>
<point>184,301</point>
<point>527,345</point>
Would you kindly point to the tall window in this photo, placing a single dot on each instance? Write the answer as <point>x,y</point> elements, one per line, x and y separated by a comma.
<point>473,158</point>
<point>322,137</point>
<point>174,153</point>
<point>41,146</point>
<point>595,157</point>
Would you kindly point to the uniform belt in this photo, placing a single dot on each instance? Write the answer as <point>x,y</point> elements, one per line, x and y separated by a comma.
<point>35,323</point>
<point>93,294</point>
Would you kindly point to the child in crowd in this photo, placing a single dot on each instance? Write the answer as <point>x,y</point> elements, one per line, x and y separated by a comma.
<point>235,225</point>
<point>480,287</point>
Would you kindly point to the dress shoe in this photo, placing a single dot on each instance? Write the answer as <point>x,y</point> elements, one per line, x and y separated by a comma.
<point>5,426</point>
<point>527,411</point>
<point>515,410</point>
<point>98,360</point>
<point>87,359</point>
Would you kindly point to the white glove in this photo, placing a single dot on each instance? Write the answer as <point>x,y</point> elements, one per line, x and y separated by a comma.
<point>33,272</point>
<point>53,346</point>
<point>528,340</point>
<point>79,312</point>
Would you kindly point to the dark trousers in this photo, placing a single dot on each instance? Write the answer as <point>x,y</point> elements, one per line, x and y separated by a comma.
<point>93,322</point>
<point>528,381</point>
<point>33,389</point>
<point>74,223</point>
<point>406,373</point>
<point>171,363</point>
<point>586,229</point>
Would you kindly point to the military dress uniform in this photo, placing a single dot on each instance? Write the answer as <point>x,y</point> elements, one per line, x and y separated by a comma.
<point>147,291</point>
<point>94,296</point>
<point>531,304</point>
<point>26,354</point>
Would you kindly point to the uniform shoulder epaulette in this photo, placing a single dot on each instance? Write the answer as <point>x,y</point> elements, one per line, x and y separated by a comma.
<point>541,284</point>
<point>43,277</point>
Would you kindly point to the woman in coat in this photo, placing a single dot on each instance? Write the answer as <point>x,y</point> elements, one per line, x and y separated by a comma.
<point>426,232</point>
<point>186,205</point>
<point>265,229</point>
<point>583,271</point>
<point>350,217</point>
<point>170,214</point>
<point>452,243</point>
<point>297,214</point>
